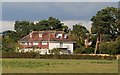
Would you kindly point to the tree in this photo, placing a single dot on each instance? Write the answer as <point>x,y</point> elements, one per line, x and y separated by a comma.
<point>78,34</point>
<point>112,47</point>
<point>22,28</point>
<point>106,21</point>
<point>11,34</point>
<point>79,50</point>
<point>8,44</point>
<point>66,29</point>
<point>49,24</point>
<point>88,50</point>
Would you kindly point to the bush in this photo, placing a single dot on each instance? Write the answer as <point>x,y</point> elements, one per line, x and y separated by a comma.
<point>56,51</point>
<point>79,50</point>
<point>88,50</point>
<point>18,55</point>
<point>38,56</point>
<point>104,48</point>
<point>112,47</point>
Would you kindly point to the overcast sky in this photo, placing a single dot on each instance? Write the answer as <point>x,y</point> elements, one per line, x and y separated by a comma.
<point>68,12</point>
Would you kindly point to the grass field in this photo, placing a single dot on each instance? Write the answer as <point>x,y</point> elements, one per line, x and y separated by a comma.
<point>58,66</point>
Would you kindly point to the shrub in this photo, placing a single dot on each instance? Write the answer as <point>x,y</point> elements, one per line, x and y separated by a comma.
<point>56,51</point>
<point>104,48</point>
<point>79,50</point>
<point>38,56</point>
<point>88,50</point>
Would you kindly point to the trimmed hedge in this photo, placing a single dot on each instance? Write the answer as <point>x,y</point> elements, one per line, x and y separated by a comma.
<point>38,56</point>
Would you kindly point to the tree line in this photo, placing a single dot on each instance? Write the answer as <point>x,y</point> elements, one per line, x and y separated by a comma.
<point>104,33</point>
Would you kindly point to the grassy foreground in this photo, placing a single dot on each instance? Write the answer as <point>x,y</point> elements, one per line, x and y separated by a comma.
<point>58,66</point>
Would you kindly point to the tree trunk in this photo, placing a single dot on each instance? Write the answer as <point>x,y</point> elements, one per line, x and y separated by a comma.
<point>101,40</point>
<point>96,47</point>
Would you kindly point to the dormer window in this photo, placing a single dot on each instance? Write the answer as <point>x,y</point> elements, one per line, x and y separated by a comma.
<point>65,36</point>
<point>59,36</point>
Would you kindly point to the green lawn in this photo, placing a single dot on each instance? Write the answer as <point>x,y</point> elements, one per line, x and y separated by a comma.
<point>58,66</point>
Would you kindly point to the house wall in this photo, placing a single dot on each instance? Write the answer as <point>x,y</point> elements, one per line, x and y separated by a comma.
<point>50,45</point>
<point>68,45</point>
<point>43,46</point>
<point>54,45</point>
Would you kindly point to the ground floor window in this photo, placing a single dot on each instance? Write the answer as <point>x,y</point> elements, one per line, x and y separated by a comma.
<point>44,43</point>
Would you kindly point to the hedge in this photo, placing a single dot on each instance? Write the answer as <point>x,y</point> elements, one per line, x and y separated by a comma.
<point>38,56</point>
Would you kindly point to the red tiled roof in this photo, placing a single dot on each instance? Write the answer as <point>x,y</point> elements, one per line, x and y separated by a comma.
<point>46,36</point>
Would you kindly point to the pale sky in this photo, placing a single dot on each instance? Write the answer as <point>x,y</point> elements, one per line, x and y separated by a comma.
<point>69,13</point>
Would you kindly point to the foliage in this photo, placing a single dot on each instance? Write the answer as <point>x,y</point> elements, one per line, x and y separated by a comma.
<point>79,30</point>
<point>22,28</point>
<point>8,44</point>
<point>79,50</point>
<point>50,24</point>
<point>38,56</point>
<point>11,34</point>
<point>104,48</point>
<point>78,34</point>
<point>106,22</point>
<point>89,50</point>
<point>106,26</point>
<point>112,47</point>
<point>56,51</point>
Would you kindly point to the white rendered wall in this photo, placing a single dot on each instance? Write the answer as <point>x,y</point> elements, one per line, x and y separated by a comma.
<point>54,45</point>
<point>68,45</point>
